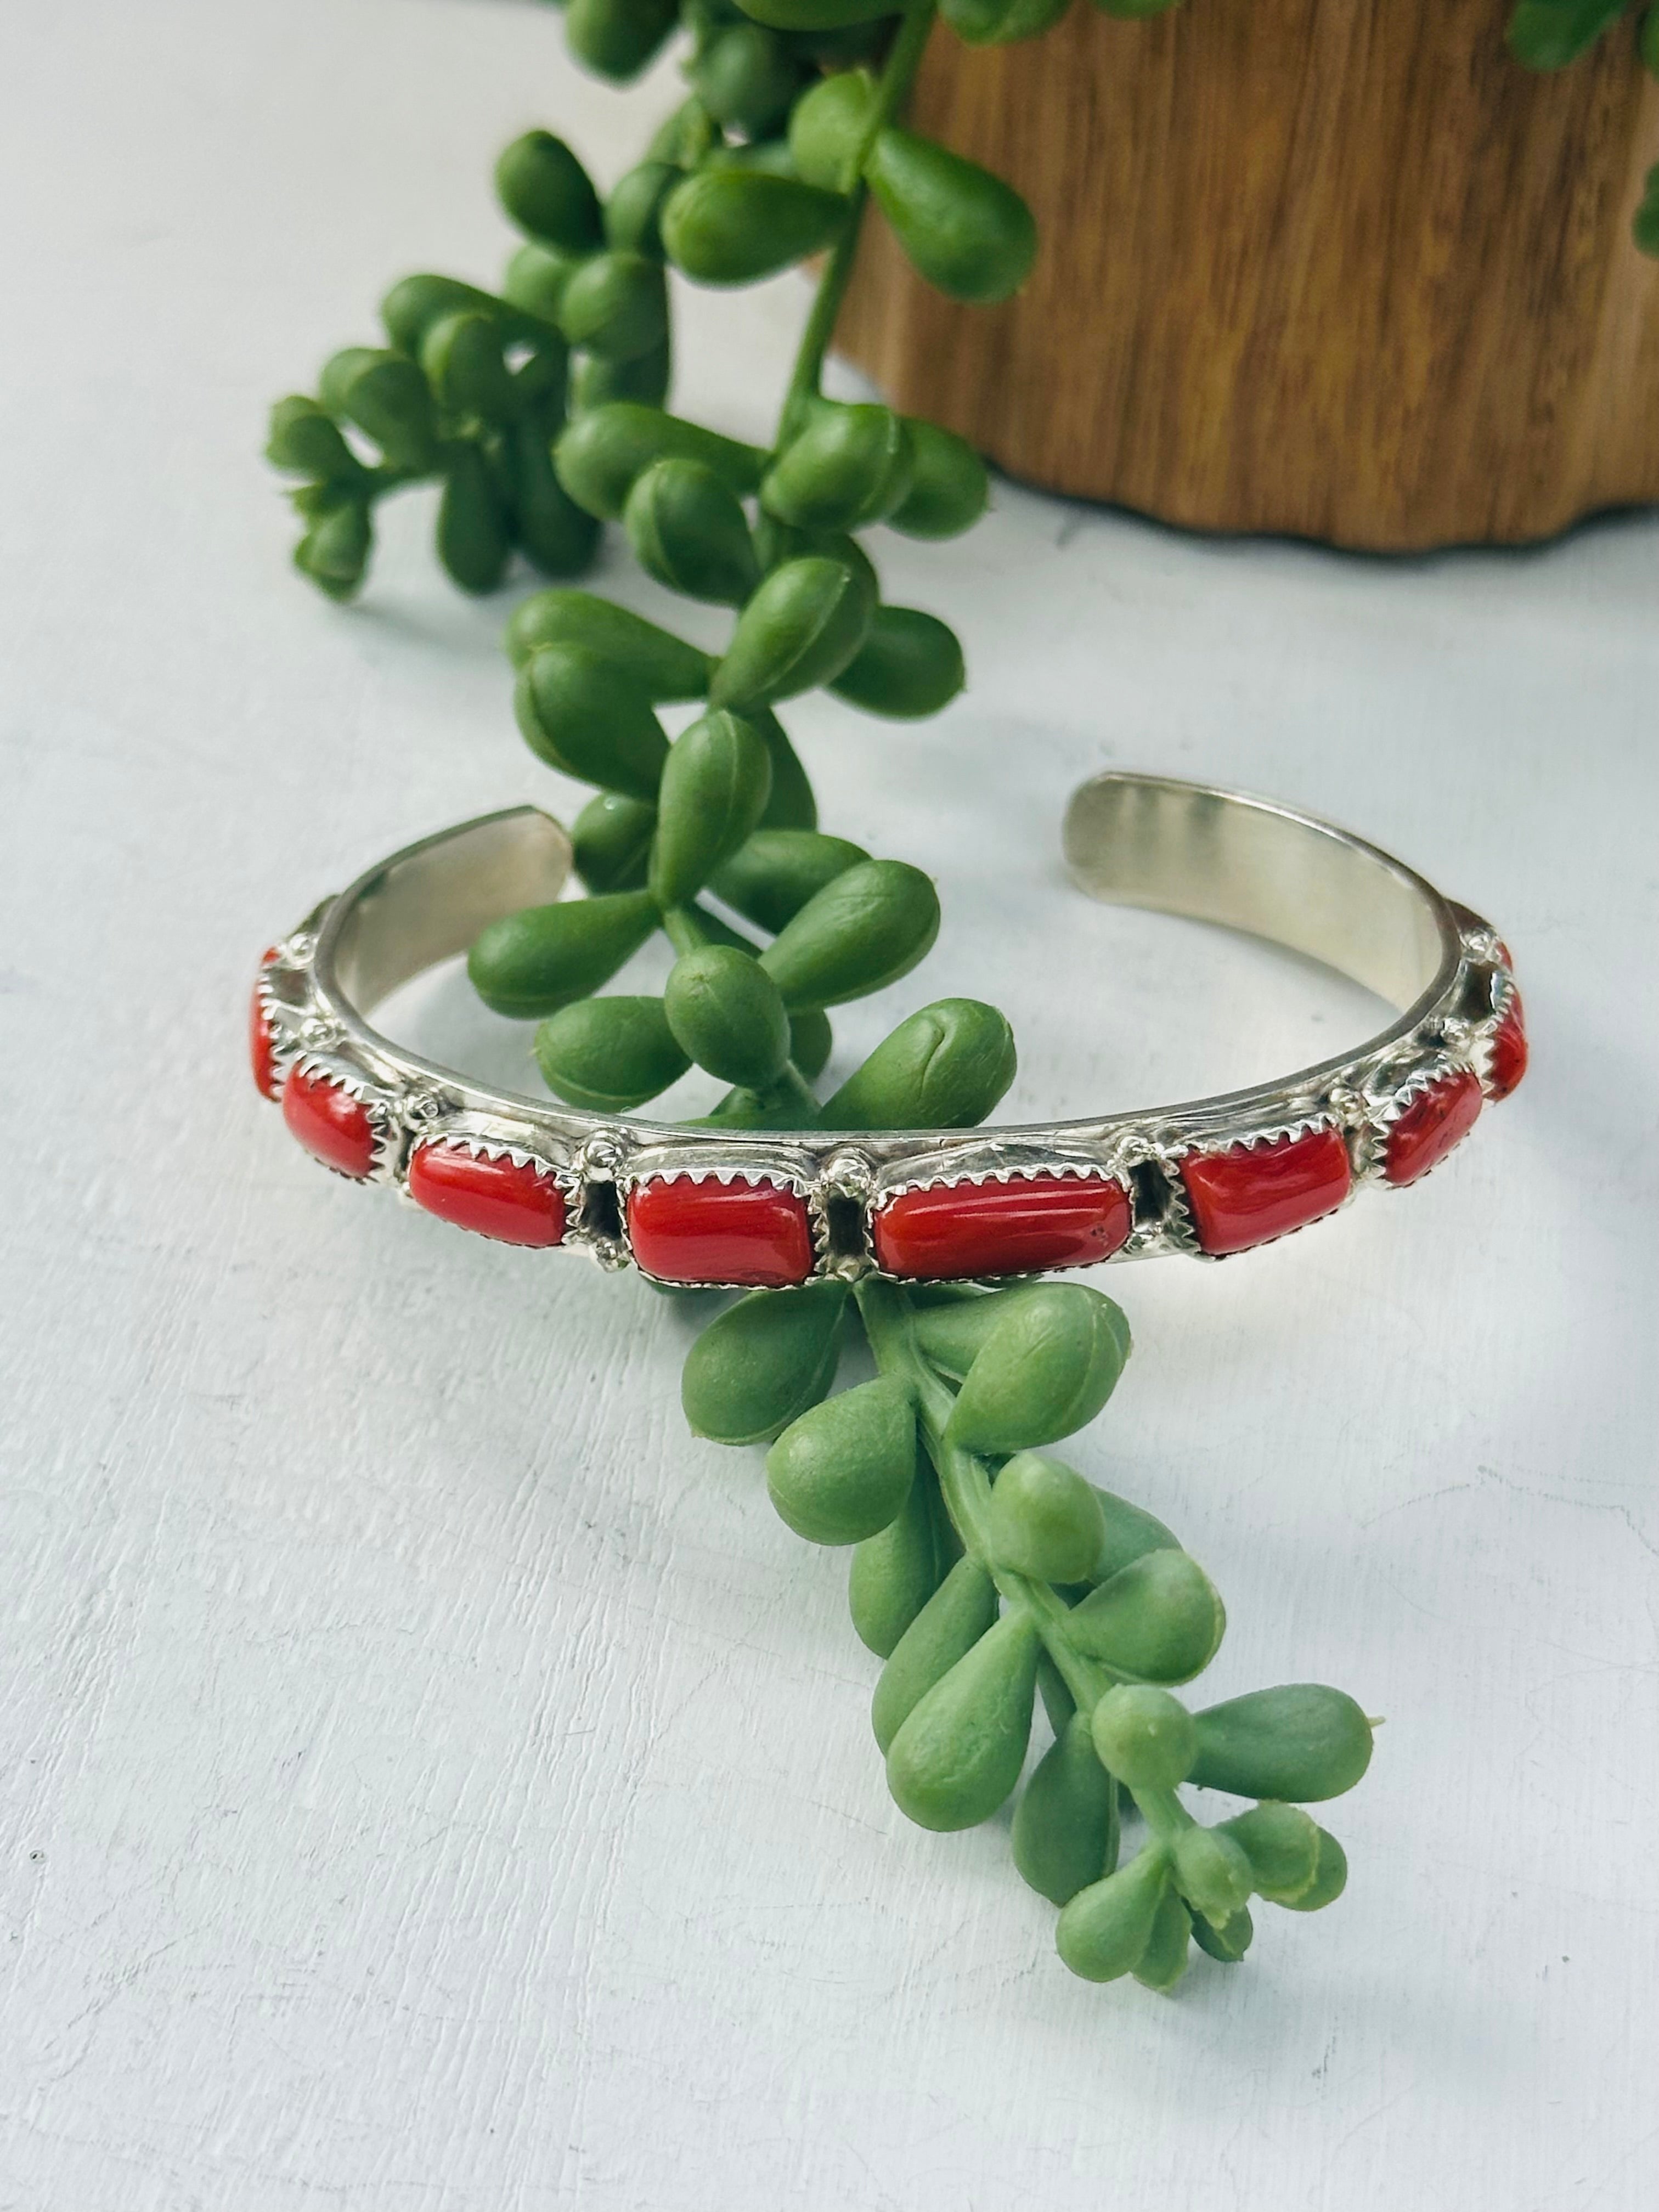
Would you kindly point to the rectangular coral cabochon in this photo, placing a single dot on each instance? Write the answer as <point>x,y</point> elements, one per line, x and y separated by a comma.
<point>334,1127</point>
<point>1251,1193</point>
<point>514,1202</point>
<point>1011,1228</point>
<point>757,1235</point>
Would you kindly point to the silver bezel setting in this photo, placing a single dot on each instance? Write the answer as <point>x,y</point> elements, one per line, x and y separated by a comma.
<point>483,1138</point>
<point>1483,1036</point>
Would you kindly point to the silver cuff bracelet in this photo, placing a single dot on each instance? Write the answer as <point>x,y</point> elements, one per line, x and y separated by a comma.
<point>729,1208</point>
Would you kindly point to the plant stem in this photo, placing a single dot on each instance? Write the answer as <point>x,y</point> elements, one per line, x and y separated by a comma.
<point>1163,1812</point>
<point>892,88</point>
<point>966,1486</point>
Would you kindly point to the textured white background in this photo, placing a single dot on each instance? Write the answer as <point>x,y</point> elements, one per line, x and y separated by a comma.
<point>431,1780</point>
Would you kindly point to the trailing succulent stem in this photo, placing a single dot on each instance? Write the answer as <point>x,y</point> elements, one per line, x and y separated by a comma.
<point>983,1570</point>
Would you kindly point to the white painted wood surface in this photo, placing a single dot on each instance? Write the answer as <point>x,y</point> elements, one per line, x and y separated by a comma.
<point>433,1782</point>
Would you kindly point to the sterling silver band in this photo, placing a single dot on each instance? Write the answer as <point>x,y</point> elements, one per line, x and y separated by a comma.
<point>1206,1177</point>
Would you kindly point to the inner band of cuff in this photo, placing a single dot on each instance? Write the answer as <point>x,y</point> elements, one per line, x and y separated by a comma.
<point>1129,840</point>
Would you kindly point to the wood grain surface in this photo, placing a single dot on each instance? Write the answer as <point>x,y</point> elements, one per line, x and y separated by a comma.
<point>1336,267</point>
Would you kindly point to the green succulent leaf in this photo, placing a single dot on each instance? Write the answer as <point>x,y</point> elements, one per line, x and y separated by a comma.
<point>1160,1618</point>
<point>769,879</point>
<point>1213,1873</point>
<point>1330,1878</point>
<point>959,1750</point>
<point>1549,34</point>
<point>609,1054</point>
<point>811,1042</point>
<point>1104,1931</point>
<point>970,235</point>
<point>816,14</point>
<point>533,281</point>
<point>1145,1736</point>
<point>552,530</point>
<point>606,450</point>
<point>542,957</point>
<point>734,226</point>
<point>848,467</point>
<point>1044,1520</point>
<point>763,1362</point>
<point>633,214</point>
<point>827,127</point>
<point>615,306</point>
<point>642,381</point>
<point>1300,1742</point>
<point>581,714</point>
<point>1281,1842</point>
<point>611,841</point>
<point>801,627</point>
<point>306,440</point>
<point>842,1472</point>
<point>1065,1825</point>
<point>949,485</point>
<point>909,666</point>
<point>461,359</point>
<point>687,530</point>
<point>1163,1961</point>
<point>791,806</point>
<point>618,39</point>
<point>1001,23</point>
<point>1228,1943</point>
<point>335,549</point>
<point>1046,1368</point>
<point>946,1628</point>
<point>944,1067</point>
<point>867,927</point>
<point>664,667</point>
<point>386,397</point>
<point>546,191</point>
<point>893,1573</point>
<point>475,528</point>
<point>953,1331</point>
<point>745,76</point>
<point>714,787</point>
<point>727,1016</point>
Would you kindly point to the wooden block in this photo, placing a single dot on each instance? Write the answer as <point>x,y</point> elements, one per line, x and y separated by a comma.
<point>1340,268</point>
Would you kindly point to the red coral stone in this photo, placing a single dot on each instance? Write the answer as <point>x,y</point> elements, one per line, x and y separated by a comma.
<point>1508,1063</point>
<point>1243,1197</point>
<point>333,1127</point>
<point>1435,1120</point>
<point>1012,1228</point>
<point>514,1204</point>
<point>751,1237</point>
